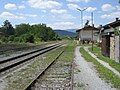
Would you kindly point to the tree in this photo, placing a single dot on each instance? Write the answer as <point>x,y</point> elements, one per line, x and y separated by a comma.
<point>7,29</point>
<point>28,38</point>
<point>22,29</point>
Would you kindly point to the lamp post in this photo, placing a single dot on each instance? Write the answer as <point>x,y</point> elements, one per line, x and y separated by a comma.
<point>81,10</point>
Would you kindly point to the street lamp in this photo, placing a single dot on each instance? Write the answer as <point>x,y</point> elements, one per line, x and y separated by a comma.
<point>81,10</point>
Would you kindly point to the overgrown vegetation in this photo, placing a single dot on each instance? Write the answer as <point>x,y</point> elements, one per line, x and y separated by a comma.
<point>26,33</point>
<point>18,80</point>
<point>117,32</point>
<point>105,73</point>
<point>112,63</point>
<point>68,54</point>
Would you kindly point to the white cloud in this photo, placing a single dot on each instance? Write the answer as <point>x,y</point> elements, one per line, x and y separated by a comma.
<point>67,16</point>
<point>73,0</point>
<point>10,6</point>
<point>62,25</point>
<point>27,15</point>
<point>111,15</point>
<point>118,7</point>
<point>43,4</point>
<point>21,6</point>
<point>11,16</point>
<point>86,1</point>
<point>107,7</point>
<point>31,15</point>
<point>87,17</point>
<point>73,6</point>
<point>61,11</point>
<point>91,9</point>
<point>44,11</point>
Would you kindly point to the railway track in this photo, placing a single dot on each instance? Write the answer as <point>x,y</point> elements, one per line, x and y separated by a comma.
<point>8,64</point>
<point>12,49</point>
<point>60,77</point>
<point>8,51</point>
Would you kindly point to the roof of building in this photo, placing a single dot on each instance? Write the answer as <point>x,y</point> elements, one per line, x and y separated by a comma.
<point>88,27</point>
<point>112,24</point>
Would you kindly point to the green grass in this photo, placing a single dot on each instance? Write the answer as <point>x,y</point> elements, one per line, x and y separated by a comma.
<point>105,73</point>
<point>112,63</point>
<point>78,44</point>
<point>59,76</point>
<point>68,54</point>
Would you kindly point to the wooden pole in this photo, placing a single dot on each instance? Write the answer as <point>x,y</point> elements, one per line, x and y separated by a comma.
<point>92,29</point>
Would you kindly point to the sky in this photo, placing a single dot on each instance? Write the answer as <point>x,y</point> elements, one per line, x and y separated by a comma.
<point>59,14</point>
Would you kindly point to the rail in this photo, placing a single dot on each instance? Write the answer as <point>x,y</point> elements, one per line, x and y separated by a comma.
<point>18,60</point>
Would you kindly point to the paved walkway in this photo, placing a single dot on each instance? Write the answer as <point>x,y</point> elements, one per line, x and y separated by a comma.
<point>87,78</point>
<point>102,62</point>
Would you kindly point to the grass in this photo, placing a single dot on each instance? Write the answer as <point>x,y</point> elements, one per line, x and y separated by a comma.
<point>105,73</point>
<point>68,54</point>
<point>112,63</point>
<point>59,76</point>
<point>78,44</point>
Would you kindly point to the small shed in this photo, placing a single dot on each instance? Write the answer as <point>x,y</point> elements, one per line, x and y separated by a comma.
<point>85,34</point>
<point>111,41</point>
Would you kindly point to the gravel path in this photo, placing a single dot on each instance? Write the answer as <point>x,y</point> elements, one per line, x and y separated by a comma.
<point>102,62</point>
<point>87,78</point>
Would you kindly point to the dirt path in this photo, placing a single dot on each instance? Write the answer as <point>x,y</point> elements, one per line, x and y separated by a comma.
<point>86,77</point>
<point>102,62</point>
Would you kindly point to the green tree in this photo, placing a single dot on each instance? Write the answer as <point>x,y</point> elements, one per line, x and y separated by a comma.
<point>28,38</point>
<point>22,29</point>
<point>7,28</point>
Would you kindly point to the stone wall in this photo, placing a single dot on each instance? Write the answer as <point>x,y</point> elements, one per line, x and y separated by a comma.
<point>117,53</point>
<point>112,48</point>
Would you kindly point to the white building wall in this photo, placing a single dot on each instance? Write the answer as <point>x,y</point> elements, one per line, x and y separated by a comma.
<point>87,35</point>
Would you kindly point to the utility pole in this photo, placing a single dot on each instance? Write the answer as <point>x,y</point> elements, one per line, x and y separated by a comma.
<point>81,10</point>
<point>92,29</point>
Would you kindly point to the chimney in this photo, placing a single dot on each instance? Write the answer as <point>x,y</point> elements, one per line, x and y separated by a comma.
<point>117,19</point>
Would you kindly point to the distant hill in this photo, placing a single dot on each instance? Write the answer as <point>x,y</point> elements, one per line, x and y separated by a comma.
<point>71,30</point>
<point>65,33</point>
